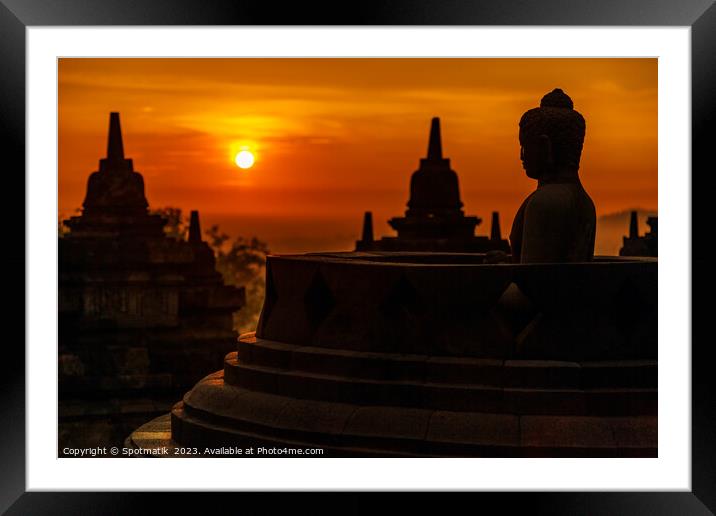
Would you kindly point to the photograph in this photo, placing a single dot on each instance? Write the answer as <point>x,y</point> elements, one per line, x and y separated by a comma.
<point>389,257</point>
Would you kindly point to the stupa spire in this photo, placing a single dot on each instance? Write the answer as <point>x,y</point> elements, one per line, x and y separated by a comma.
<point>367,227</point>
<point>115,187</point>
<point>634,225</point>
<point>194,228</point>
<point>495,233</point>
<point>435,146</point>
<point>115,148</point>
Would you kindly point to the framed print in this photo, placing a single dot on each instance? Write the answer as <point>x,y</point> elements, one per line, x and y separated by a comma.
<point>414,249</point>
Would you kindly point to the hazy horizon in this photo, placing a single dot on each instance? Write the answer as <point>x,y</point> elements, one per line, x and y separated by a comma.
<point>339,234</point>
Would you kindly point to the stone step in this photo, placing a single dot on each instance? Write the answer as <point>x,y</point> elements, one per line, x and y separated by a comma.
<point>430,395</point>
<point>627,373</point>
<point>215,414</point>
<point>452,370</point>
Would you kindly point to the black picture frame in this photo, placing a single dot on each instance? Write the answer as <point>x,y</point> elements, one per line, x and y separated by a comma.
<point>700,15</point>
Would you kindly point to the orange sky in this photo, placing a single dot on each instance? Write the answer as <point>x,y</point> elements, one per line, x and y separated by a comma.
<point>336,137</point>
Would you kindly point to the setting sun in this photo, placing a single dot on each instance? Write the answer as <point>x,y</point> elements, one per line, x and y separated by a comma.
<point>244,159</point>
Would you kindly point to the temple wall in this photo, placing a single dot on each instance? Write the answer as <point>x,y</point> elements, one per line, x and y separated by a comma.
<point>583,311</point>
<point>122,306</point>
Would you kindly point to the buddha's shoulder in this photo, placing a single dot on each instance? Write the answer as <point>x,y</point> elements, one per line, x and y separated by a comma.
<point>554,195</point>
<point>560,199</point>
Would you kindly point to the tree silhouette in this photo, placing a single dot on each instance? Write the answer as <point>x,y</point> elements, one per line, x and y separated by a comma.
<point>62,229</point>
<point>176,226</point>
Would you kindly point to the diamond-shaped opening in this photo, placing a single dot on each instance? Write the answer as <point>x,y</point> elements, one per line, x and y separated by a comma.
<point>319,301</point>
<point>402,299</point>
<point>514,309</point>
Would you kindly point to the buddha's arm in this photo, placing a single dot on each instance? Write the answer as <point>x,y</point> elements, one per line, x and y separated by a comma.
<point>544,237</point>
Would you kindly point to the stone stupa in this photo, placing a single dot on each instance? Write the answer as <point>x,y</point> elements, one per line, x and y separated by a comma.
<point>142,316</point>
<point>434,220</point>
<point>644,245</point>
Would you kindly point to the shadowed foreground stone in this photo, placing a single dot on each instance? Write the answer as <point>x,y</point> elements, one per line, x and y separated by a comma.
<point>408,354</point>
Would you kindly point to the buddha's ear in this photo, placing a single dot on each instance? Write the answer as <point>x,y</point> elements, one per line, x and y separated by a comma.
<point>545,144</point>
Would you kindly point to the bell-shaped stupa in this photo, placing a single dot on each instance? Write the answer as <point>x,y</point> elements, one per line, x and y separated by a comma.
<point>434,220</point>
<point>142,316</point>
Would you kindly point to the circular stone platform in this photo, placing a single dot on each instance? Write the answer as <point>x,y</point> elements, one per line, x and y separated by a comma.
<point>404,354</point>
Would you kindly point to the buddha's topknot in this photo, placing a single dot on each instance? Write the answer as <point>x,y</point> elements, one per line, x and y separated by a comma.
<point>557,119</point>
<point>557,99</point>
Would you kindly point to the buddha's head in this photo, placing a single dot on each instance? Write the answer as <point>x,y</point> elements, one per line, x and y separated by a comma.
<point>551,137</point>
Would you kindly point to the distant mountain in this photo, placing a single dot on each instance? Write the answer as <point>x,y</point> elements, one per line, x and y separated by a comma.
<point>612,227</point>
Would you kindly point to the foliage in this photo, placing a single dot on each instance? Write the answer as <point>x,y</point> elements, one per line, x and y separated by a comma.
<point>242,263</point>
<point>176,226</point>
<point>62,229</point>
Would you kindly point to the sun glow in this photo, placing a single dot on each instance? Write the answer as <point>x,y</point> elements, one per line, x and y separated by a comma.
<point>244,159</point>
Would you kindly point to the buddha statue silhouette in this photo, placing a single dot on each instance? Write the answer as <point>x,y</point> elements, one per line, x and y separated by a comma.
<point>556,222</point>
